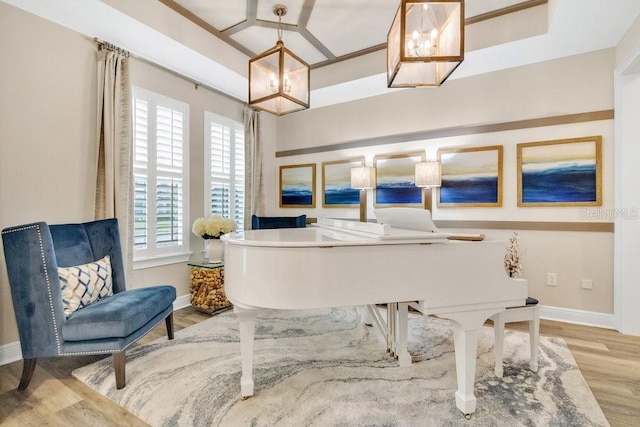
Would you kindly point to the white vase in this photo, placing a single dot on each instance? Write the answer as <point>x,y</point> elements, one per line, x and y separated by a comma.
<point>215,250</point>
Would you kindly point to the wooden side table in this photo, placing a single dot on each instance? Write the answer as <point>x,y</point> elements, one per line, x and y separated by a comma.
<point>207,287</point>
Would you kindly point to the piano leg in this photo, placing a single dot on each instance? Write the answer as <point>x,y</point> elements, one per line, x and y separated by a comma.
<point>246,321</point>
<point>498,347</point>
<point>404,358</point>
<point>466,326</point>
<point>392,315</point>
<point>368,320</point>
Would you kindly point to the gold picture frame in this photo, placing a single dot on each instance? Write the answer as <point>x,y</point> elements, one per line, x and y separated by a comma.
<point>298,186</point>
<point>471,177</point>
<point>395,180</point>
<point>563,172</point>
<point>336,183</point>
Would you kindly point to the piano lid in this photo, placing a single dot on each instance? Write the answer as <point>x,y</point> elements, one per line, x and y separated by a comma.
<point>328,233</point>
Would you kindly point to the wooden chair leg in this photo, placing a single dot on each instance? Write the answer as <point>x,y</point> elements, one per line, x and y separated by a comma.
<point>169,322</point>
<point>119,359</point>
<point>28,367</point>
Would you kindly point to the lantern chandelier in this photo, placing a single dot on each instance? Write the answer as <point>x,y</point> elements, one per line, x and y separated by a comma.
<point>279,79</point>
<point>425,43</point>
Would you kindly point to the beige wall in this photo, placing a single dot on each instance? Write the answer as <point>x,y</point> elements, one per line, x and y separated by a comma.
<point>572,85</point>
<point>47,129</point>
<point>47,135</point>
<point>568,85</point>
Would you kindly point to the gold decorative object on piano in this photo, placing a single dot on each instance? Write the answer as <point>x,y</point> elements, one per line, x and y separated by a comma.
<point>207,288</point>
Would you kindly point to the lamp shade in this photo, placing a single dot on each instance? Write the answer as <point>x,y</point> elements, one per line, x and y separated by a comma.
<point>363,177</point>
<point>428,174</point>
<point>425,42</point>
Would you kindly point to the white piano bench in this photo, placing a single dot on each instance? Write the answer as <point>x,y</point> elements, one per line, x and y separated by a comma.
<point>529,312</point>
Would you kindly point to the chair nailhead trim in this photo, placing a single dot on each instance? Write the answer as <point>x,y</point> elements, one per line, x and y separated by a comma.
<point>46,275</point>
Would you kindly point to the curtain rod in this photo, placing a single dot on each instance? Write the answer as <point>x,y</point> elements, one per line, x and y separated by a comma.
<point>109,46</point>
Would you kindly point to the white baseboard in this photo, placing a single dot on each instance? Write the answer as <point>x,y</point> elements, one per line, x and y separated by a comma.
<point>12,352</point>
<point>181,302</point>
<point>579,317</point>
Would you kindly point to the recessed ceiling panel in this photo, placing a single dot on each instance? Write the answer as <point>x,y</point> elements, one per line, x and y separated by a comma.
<point>349,26</point>
<point>220,14</point>
<point>260,39</point>
<point>294,9</point>
<point>478,7</point>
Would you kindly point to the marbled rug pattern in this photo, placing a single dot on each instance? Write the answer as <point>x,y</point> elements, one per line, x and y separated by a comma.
<point>325,368</point>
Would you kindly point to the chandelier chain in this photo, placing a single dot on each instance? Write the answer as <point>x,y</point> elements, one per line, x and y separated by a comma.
<point>279,10</point>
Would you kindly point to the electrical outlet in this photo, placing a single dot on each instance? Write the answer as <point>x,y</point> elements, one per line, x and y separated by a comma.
<point>587,284</point>
<point>552,279</point>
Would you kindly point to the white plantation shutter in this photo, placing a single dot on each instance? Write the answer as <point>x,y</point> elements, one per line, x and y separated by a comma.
<point>225,163</point>
<point>160,175</point>
<point>238,173</point>
<point>141,155</point>
<point>169,186</point>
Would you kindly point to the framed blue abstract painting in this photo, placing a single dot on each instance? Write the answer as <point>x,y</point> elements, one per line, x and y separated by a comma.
<point>336,183</point>
<point>395,180</point>
<point>471,177</point>
<point>566,172</point>
<point>297,186</point>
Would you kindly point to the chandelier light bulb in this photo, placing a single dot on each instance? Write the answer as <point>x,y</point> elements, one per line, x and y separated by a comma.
<point>425,43</point>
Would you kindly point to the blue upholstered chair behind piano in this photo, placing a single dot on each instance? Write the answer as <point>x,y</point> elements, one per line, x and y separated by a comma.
<point>33,255</point>
<point>262,222</point>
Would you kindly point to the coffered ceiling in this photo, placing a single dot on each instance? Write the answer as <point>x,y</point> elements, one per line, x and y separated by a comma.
<point>321,32</point>
<point>211,41</point>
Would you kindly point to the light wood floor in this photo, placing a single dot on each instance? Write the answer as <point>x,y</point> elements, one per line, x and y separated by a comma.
<point>609,361</point>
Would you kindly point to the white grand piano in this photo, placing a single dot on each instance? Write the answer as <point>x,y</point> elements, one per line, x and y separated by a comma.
<point>345,263</point>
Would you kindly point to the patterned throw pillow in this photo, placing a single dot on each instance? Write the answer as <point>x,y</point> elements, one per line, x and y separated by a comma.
<point>83,284</point>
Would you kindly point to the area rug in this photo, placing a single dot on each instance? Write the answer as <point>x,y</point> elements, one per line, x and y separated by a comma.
<point>326,368</point>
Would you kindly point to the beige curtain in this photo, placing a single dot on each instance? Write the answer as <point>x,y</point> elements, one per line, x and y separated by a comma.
<point>114,182</point>
<point>254,189</point>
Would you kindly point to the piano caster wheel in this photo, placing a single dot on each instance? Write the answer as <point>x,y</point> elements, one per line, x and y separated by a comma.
<point>467,416</point>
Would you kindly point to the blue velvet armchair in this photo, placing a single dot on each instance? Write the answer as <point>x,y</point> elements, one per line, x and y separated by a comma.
<point>262,222</point>
<point>33,253</point>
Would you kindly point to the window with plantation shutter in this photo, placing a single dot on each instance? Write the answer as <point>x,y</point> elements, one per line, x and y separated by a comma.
<point>160,176</point>
<point>225,162</point>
